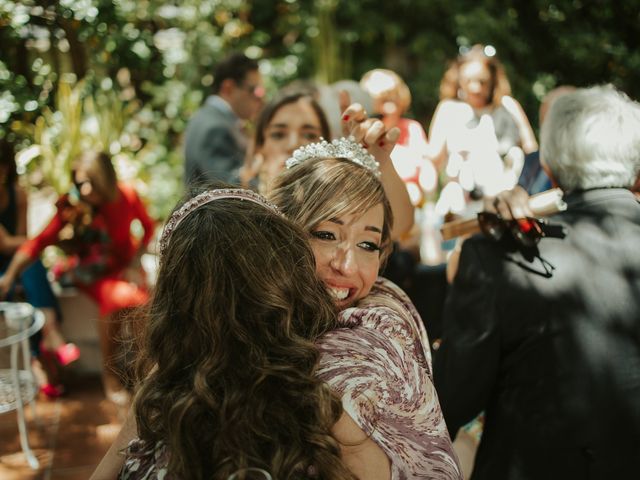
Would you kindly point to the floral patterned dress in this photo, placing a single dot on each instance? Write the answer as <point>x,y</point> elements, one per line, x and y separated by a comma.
<point>379,362</point>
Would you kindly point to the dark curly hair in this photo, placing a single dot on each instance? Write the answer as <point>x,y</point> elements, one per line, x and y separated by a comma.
<point>228,363</point>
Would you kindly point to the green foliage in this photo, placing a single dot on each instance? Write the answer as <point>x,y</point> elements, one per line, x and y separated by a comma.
<point>145,65</point>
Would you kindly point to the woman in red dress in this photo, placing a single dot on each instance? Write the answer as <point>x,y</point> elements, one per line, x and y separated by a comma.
<point>92,226</point>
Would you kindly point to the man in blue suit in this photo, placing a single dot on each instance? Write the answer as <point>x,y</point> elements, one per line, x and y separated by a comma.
<point>545,339</point>
<point>215,144</point>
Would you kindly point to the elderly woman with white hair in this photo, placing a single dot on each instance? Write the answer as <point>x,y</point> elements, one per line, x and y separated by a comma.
<point>543,335</point>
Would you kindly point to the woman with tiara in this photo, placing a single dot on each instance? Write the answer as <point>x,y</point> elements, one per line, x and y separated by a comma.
<point>378,360</point>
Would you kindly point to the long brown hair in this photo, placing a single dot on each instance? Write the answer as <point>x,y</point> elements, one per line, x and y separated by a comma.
<point>450,84</point>
<point>284,99</point>
<point>100,171</point>
<point>228,369</point>
<point>321,189</point>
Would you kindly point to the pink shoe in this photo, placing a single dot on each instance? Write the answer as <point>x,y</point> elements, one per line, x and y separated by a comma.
<point>67,353</point>
<point>52,391</point>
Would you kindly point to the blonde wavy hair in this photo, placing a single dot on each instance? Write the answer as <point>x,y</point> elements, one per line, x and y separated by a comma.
<point>386,85</point>
<point>320,189</point>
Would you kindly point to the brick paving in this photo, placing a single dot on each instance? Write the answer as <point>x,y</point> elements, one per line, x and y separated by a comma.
<point>70,438</point>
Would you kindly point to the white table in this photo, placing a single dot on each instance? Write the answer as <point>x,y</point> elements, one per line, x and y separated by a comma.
<point>18,322</point>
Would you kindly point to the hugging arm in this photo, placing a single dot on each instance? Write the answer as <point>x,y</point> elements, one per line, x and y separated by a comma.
<point>359,452</point>
<point>112,462</point>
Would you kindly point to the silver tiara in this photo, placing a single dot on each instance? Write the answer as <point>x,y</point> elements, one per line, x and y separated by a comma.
<point>346,148</point>
<point>208,197</point>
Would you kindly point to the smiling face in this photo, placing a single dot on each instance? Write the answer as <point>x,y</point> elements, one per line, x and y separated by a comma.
<point>347,253</point>
<point>292,126</point>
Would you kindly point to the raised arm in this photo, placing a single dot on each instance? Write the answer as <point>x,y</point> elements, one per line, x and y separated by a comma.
<point>527,137</point>
<point>440,123</point>
<point>380,142</point>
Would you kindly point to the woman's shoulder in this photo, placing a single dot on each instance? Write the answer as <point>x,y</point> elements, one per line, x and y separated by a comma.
<point>386,304</point>
<point>383,329</point>
<point>127,192</point>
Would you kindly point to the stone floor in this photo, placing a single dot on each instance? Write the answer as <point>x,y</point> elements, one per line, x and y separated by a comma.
<point>72,435</point>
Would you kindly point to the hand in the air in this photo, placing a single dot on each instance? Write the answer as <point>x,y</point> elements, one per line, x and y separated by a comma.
<point>371,132</point>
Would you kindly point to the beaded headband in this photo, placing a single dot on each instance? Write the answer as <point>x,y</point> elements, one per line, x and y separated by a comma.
<point>346,148</point>
<point>208,197</point>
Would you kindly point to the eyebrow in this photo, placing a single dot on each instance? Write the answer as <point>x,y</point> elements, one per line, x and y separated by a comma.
<point>284,125</point>
<point>369,228</point>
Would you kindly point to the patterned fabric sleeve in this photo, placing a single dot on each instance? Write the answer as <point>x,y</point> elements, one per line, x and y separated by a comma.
<point>379,363</point>
<point>145,463</point>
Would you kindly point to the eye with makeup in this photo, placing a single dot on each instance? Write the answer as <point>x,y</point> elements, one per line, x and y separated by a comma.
<point>369,246</point>
<point>328,236</point>
<point>323,235</point>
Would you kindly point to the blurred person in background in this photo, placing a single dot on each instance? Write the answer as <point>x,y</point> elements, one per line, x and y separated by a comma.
<point>215,141</point>
<point>92,226</point>
<point>479,134</point>
<point>49,347</point>
<point>392,100</point>
<point>289,121</point>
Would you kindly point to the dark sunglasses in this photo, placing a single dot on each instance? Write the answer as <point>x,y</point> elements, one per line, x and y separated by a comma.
<point>525,231</point>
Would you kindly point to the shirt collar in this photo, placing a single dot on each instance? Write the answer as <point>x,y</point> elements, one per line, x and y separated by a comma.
<point>221,104</point>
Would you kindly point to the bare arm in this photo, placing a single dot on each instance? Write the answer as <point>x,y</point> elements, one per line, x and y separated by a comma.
<point>359,452</point>
<point>380,143</point>
<point>437,150</point>
<point>527,137</point>
<point>112,462</point>
<point>396,191</point>
<point>18,263</point>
